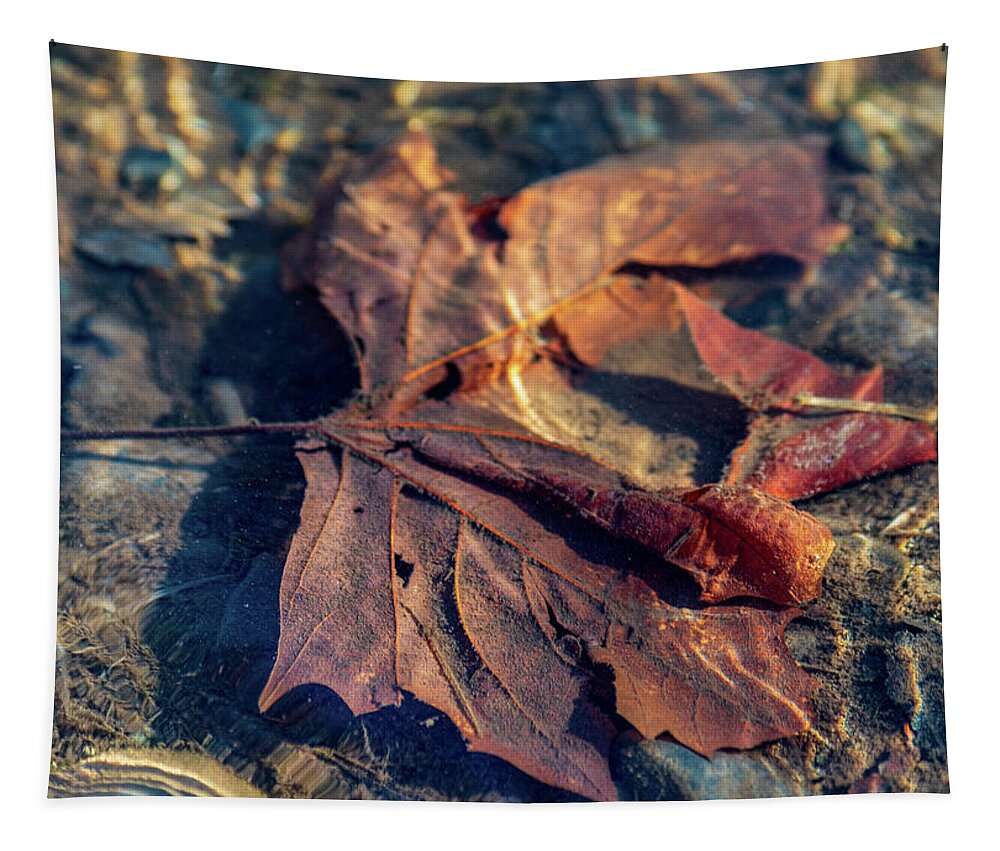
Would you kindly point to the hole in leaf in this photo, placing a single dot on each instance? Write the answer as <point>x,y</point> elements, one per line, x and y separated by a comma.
<point>444,388</point>
<point>404,569</point>
<point>485,221</point>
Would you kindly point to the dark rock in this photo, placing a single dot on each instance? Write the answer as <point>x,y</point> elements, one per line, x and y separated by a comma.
<point>254,126</point>
<point>666,771</point>
<point>851,146</point>
<point>142,169</point>
<point>116,247</point>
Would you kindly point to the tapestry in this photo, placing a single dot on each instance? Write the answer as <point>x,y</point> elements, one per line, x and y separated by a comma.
<point>550,442</point>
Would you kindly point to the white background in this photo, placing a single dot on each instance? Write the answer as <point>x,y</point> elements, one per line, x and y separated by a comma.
<point>500,40</point>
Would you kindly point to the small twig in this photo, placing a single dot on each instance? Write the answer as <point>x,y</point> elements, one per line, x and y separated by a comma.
<point>299,428</point>
<point>806,399</point>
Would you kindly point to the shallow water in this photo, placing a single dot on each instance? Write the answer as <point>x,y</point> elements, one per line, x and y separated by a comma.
<point>172,314</point>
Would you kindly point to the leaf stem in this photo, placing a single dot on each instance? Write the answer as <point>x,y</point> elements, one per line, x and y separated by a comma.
<point>299,428</point>
<point>807,399</point>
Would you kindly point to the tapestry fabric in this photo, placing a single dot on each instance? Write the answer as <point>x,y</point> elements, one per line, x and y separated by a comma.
<point>551,442</point>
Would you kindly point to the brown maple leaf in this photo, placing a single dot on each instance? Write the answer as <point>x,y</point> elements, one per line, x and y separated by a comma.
<point>393,255</point>
<point>478,569</point>
<point>400,265</point>
<point>449,548</point>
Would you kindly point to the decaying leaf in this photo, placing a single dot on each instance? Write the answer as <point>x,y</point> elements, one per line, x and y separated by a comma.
<point>791,449</point>
<point>484,574</point>
<point>394,257</point>
<point>449,547</point>
<point>420,281</point>
<point>796,456</point>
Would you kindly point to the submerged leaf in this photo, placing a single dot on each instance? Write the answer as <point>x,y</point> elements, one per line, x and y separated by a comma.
<point>790,450</point>
<point>798,456</point>
<point>455,541</point>
<point>394,256</point>
<point>792,461</point>
<point>502,600</point>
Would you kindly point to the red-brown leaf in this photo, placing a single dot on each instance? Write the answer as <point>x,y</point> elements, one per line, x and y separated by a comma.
<point>507,580</point>
<point>793,457</point>
<point>337,608</point>
<point>792,461</point>
<point>448,550</point>
<point>393,258</point>
<point>791,450</point>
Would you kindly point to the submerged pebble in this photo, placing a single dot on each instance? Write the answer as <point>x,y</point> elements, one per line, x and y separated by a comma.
<point>851,145</point>
<point>117,247</point>
<point>142,170</point>
<point>254,126</point>
<point>658,770</point>
<point>225,401</point>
